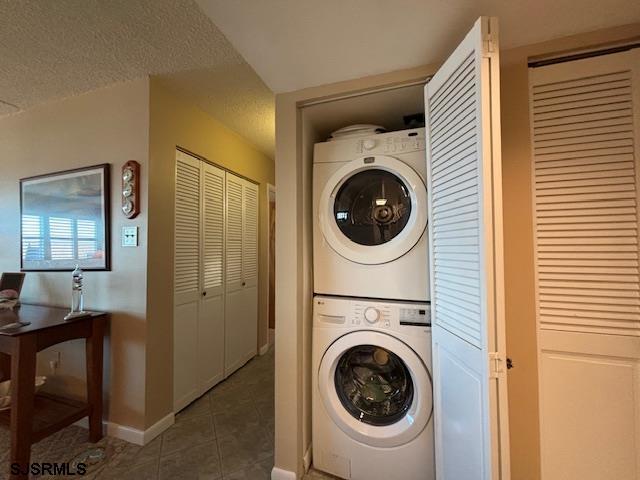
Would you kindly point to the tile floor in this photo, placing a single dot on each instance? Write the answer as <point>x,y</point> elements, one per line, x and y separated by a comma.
<point>226,434</point>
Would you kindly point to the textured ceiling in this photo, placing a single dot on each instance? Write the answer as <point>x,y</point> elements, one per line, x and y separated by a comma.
<point>51,49</point>
<point>294,44</point>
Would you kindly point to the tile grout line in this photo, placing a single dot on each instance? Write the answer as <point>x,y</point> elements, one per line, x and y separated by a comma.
<point>215,432</point>
<point>160,453</point>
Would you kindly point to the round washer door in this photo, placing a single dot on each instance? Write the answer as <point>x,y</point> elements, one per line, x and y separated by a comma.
<point>375,388</point>
<point>373,209</point>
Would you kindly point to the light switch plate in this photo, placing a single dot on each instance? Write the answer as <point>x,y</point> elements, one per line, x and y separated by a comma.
<point>129,236</point>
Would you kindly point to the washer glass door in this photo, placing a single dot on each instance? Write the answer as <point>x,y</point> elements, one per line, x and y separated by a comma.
<point>375,388</point>
<point>374,385</point>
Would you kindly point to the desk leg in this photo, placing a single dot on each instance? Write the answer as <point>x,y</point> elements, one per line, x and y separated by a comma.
<point>23,371</point>
<point>94,380</point>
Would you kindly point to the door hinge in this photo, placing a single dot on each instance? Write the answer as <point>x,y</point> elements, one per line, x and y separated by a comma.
<point>496,365</point>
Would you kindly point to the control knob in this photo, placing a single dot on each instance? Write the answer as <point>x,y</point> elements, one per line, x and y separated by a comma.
<point>368,144</point>
<point>371,315</point>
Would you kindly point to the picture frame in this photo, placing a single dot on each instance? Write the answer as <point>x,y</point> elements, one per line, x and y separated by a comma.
<point>65,220</point>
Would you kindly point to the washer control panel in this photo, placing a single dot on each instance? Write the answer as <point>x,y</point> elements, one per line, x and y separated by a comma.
<point>415,316</point>
<point>389,315</point>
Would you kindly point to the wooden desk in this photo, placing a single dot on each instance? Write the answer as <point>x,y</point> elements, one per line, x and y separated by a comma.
<point>33,417</point>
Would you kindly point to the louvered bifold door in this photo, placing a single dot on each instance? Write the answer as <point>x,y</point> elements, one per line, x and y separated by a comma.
<point>233,234</point>
<point>211,324</point>
<point>250,268</point>
<point>250,235</point>
<point>465,231</point>
<point>235,304</point>
<point>186,278</point>
<point>585,118</point>
<point>213,214</point>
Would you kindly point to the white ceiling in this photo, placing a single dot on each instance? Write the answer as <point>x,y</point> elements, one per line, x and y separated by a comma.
<point>294,44</point>
<point>51,49</point>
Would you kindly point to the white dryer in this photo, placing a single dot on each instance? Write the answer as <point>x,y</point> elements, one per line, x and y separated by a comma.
<point>370,203</point>
<point>372,394</point>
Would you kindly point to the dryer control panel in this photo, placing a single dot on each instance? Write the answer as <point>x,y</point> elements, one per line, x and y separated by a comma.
<point>401,142</point>
<point>398,143</point>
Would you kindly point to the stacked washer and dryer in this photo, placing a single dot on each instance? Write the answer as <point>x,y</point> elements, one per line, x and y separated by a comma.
<point>372,394</point>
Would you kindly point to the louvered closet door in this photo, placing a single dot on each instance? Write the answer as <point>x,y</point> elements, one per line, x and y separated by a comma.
<point>585,118</point>
<point>250,268</point>
<point>211,324</point>
<point>233,255</point>
<point>250,235</point>
<point>241,287</point>
<point>186,284</point>
<point>465,210</point>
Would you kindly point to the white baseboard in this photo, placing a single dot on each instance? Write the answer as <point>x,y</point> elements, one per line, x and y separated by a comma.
<point>130,434</point>
<point>264,349</point>
<point>280,474</point>
<point>307,459</point>
<point>157,428</point>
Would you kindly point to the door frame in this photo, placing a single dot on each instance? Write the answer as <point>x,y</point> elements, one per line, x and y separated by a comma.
<point>293,289</point>
<point>269,196</point>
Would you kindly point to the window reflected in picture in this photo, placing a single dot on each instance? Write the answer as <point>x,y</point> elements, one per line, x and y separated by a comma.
<point>65,220</point>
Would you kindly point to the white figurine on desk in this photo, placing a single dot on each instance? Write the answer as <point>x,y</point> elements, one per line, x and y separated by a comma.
<point>77,301</point>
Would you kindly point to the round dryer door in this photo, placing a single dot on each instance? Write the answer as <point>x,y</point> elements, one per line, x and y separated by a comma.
<point>375,388</point>
<point>373,210</point>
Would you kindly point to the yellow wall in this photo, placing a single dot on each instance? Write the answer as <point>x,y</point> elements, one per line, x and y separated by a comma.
<point>176,123</point>
<point>291,292</point>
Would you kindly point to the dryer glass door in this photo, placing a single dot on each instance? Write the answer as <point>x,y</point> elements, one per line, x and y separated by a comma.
<point>373,210</point>
<point>372,207</point>
<point>374,385</point>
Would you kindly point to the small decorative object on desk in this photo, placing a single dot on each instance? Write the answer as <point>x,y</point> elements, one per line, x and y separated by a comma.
<point>77,300</point>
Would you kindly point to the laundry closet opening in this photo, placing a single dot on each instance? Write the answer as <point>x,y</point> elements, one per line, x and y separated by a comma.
<point>395,108</point>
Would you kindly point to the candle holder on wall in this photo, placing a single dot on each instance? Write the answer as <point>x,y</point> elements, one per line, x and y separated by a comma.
<point>131,189</point>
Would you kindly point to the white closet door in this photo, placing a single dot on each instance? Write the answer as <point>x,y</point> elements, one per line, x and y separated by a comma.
<point>250,268</point>
<point>585,118</point>
<point>250,235</point>
<point>186,287</point>
<point>233,234</point>
<point>234,299</point>
<point>211,324</point>
<point>465,231</point>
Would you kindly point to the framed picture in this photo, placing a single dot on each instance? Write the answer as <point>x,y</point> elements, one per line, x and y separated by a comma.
<point>65,220</point>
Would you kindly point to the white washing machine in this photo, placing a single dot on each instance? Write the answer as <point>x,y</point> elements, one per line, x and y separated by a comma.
<point>370,231</point>
<point>372,394</point>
